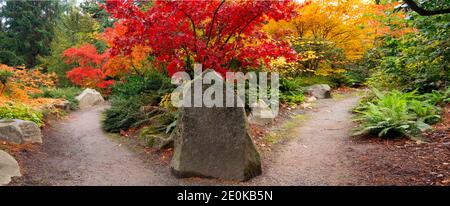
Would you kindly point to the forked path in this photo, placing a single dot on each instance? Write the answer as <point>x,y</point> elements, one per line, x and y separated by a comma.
<point>77,152</point>
<point>316,153</point>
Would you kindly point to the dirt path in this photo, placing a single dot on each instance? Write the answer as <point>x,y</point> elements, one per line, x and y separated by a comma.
<point>316,155</point>
<point>77,152</point>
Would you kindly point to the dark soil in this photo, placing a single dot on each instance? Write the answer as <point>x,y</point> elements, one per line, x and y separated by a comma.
<point>405,162</point>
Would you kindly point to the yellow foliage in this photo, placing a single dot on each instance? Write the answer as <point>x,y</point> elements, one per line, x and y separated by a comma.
<point>287,68</point>
<point>166,102</point>
<point>342,22</point>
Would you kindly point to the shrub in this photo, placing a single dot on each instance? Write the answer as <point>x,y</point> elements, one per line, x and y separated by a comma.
<point>68,93</point>
<point>355,75</point>
<point>4,76</point>
<point>291,91</point>
<point>122,114</point>
<point>34,78</point>
<point>20,111</point>
<point>415,60</point>
<point>292,97</point>
<point>319,56</point>
<point>395,114</point>
<point>129,96</point>
<point>437,97</point>
<point>154,82</point>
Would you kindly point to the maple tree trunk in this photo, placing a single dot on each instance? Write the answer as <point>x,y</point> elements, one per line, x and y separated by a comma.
<point>421,11</point>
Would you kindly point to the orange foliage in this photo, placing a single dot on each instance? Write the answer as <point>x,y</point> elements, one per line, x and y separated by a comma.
<point>34,78</point>
<point>25,82</point>
<point>386,22</point>
<point>120,64</point>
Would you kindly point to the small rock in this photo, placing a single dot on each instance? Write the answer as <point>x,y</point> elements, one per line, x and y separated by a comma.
<point>261,113</point>
<point>310,99</point>
<point>64,105</point>
<point>305,105</point>
<point>319,91</point>
<point>419,142</point>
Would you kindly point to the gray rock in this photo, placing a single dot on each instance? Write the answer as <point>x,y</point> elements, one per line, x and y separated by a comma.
<point>65,105</point>
<point>261,113</point>
<point>8,168</point>
<point>320,91</point>
<point>214,142</point>
<point>89,98</point>
<point>19,131</point>
<point>310,99</point>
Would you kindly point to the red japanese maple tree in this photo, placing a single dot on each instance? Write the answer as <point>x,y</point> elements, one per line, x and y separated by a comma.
<point>90,71</point>
<point>215,33</point>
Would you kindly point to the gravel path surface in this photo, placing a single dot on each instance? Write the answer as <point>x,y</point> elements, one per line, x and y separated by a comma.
<point>77,152</point>
<point>316,155</point>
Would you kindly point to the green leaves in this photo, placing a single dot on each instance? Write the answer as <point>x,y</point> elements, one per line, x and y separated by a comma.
<point>128,97</point>
<point>27,30</point>
<point>415,60</point>
<point>20,111</point>
<point>68,93</point>
<point>4,75</point>
<point>396,113</point>
<point>291,91</point>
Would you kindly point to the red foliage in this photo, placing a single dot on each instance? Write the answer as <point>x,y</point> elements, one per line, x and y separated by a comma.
<point>90,71</point>
<point>209,32</point>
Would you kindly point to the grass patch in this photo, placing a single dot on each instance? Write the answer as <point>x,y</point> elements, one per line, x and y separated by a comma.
<point>286,130</point>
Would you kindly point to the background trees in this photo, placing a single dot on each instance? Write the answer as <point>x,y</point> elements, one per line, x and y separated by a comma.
<point>71,29</point>
<point>380,44</point>
<point>27,30</point>
<point>343,22</point>
<point>416,58</point>
<point>218,34</point>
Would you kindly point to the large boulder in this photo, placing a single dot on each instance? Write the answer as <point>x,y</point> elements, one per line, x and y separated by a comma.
<point>8,168</point>
<point>89,98</point>
<point>19,131</point>
<point>319,91</point>
<point>214,141</point>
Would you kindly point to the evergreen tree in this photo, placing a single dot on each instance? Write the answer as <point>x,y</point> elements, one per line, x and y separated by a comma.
<point>26,30</point>
<point>72,28</point>
<point>93,9</point>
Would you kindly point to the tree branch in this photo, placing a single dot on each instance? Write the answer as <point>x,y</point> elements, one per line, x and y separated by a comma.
<point>421,11</point>
<point>212,21</point>
<point>193,24</point>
